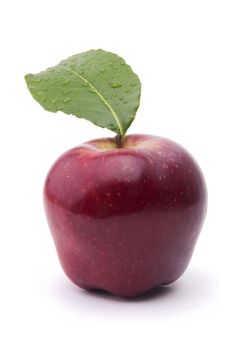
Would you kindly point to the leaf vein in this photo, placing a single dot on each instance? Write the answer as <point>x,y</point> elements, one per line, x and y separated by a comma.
<point>100,96</point>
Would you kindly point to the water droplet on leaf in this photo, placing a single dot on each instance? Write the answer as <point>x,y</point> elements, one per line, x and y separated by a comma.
<point>65,82</point>
<point>115,85</point>
<point>66,100</point>
<point>37,80</point>
<point>66,91</point>
<point>133,83</point>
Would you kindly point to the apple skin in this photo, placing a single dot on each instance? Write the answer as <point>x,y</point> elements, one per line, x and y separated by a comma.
<point>125,220</point>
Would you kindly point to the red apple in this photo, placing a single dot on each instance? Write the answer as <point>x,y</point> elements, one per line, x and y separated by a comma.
<point>125,220</point>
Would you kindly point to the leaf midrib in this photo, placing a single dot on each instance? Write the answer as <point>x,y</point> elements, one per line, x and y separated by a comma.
<point>100,96</point>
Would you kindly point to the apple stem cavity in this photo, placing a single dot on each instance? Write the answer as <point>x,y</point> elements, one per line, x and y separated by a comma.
<point>119,140</point>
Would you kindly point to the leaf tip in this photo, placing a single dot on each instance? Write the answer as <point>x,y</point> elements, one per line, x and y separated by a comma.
<point>27,77</point>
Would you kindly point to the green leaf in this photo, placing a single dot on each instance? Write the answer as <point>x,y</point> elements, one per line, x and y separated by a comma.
<point>96,85</point>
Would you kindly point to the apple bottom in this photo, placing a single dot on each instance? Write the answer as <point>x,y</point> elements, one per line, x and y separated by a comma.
<point>120,258</point>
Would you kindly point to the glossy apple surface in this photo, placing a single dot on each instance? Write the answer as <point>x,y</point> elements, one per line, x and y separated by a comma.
<point>125,220</point>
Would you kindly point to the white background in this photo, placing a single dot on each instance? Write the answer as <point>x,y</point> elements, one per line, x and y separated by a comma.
<point>183,53</point>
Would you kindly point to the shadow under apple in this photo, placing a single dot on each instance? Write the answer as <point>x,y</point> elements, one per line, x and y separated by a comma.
<point>195,289</point>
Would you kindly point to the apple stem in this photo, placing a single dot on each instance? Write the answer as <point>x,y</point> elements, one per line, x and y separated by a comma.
<point>119,140</point>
